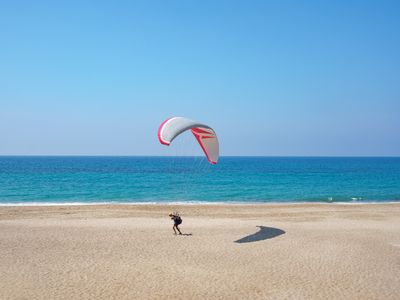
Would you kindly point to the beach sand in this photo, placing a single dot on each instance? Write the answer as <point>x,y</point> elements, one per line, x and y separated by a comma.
<point>301,251</point>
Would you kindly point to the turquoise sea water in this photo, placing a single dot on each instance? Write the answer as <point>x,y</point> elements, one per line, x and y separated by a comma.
<point>192,179</point>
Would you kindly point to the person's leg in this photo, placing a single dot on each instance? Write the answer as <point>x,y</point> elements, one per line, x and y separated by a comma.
<point>178,229</point>
<point>173,227</point>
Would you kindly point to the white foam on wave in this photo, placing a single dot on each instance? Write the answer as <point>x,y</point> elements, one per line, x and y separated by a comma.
<point>120,203</point>
<point>53,203</point>
<point>194,203</point>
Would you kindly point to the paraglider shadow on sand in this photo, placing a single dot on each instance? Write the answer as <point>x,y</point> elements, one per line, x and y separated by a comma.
<point>263,234</point>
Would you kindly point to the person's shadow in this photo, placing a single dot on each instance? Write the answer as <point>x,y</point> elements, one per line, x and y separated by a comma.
<point>263,234</point>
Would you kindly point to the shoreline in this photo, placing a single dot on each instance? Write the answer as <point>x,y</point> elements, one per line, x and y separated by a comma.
<point>196,203</point>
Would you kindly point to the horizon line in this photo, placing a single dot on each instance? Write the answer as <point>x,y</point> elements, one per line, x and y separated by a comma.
<point>140,155</point>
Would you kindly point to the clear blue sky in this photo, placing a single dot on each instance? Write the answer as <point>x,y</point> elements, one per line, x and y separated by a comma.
<point>271,77</point>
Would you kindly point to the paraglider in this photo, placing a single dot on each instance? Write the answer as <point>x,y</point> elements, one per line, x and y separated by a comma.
<point>204,134</point>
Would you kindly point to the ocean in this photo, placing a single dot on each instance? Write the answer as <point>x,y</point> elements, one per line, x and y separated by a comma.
<point>74,179</point>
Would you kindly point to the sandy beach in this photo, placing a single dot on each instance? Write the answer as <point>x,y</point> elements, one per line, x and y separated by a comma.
<point>297,251</point>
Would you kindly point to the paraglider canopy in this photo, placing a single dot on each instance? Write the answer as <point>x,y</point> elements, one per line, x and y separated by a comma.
<point>204,134</point>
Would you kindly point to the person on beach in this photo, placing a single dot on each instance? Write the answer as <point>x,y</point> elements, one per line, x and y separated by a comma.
<point>177,221</point>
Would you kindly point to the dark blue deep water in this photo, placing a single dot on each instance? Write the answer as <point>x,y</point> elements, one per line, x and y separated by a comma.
<point>192,179</point>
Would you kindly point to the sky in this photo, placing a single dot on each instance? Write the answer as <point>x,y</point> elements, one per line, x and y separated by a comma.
<point>284,78</point>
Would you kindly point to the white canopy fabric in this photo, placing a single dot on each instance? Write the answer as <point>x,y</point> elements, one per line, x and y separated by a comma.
<point>204,134</point>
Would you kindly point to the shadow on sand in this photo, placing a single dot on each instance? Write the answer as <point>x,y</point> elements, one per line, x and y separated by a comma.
<point>186,234</point>
<point>263,234</point>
